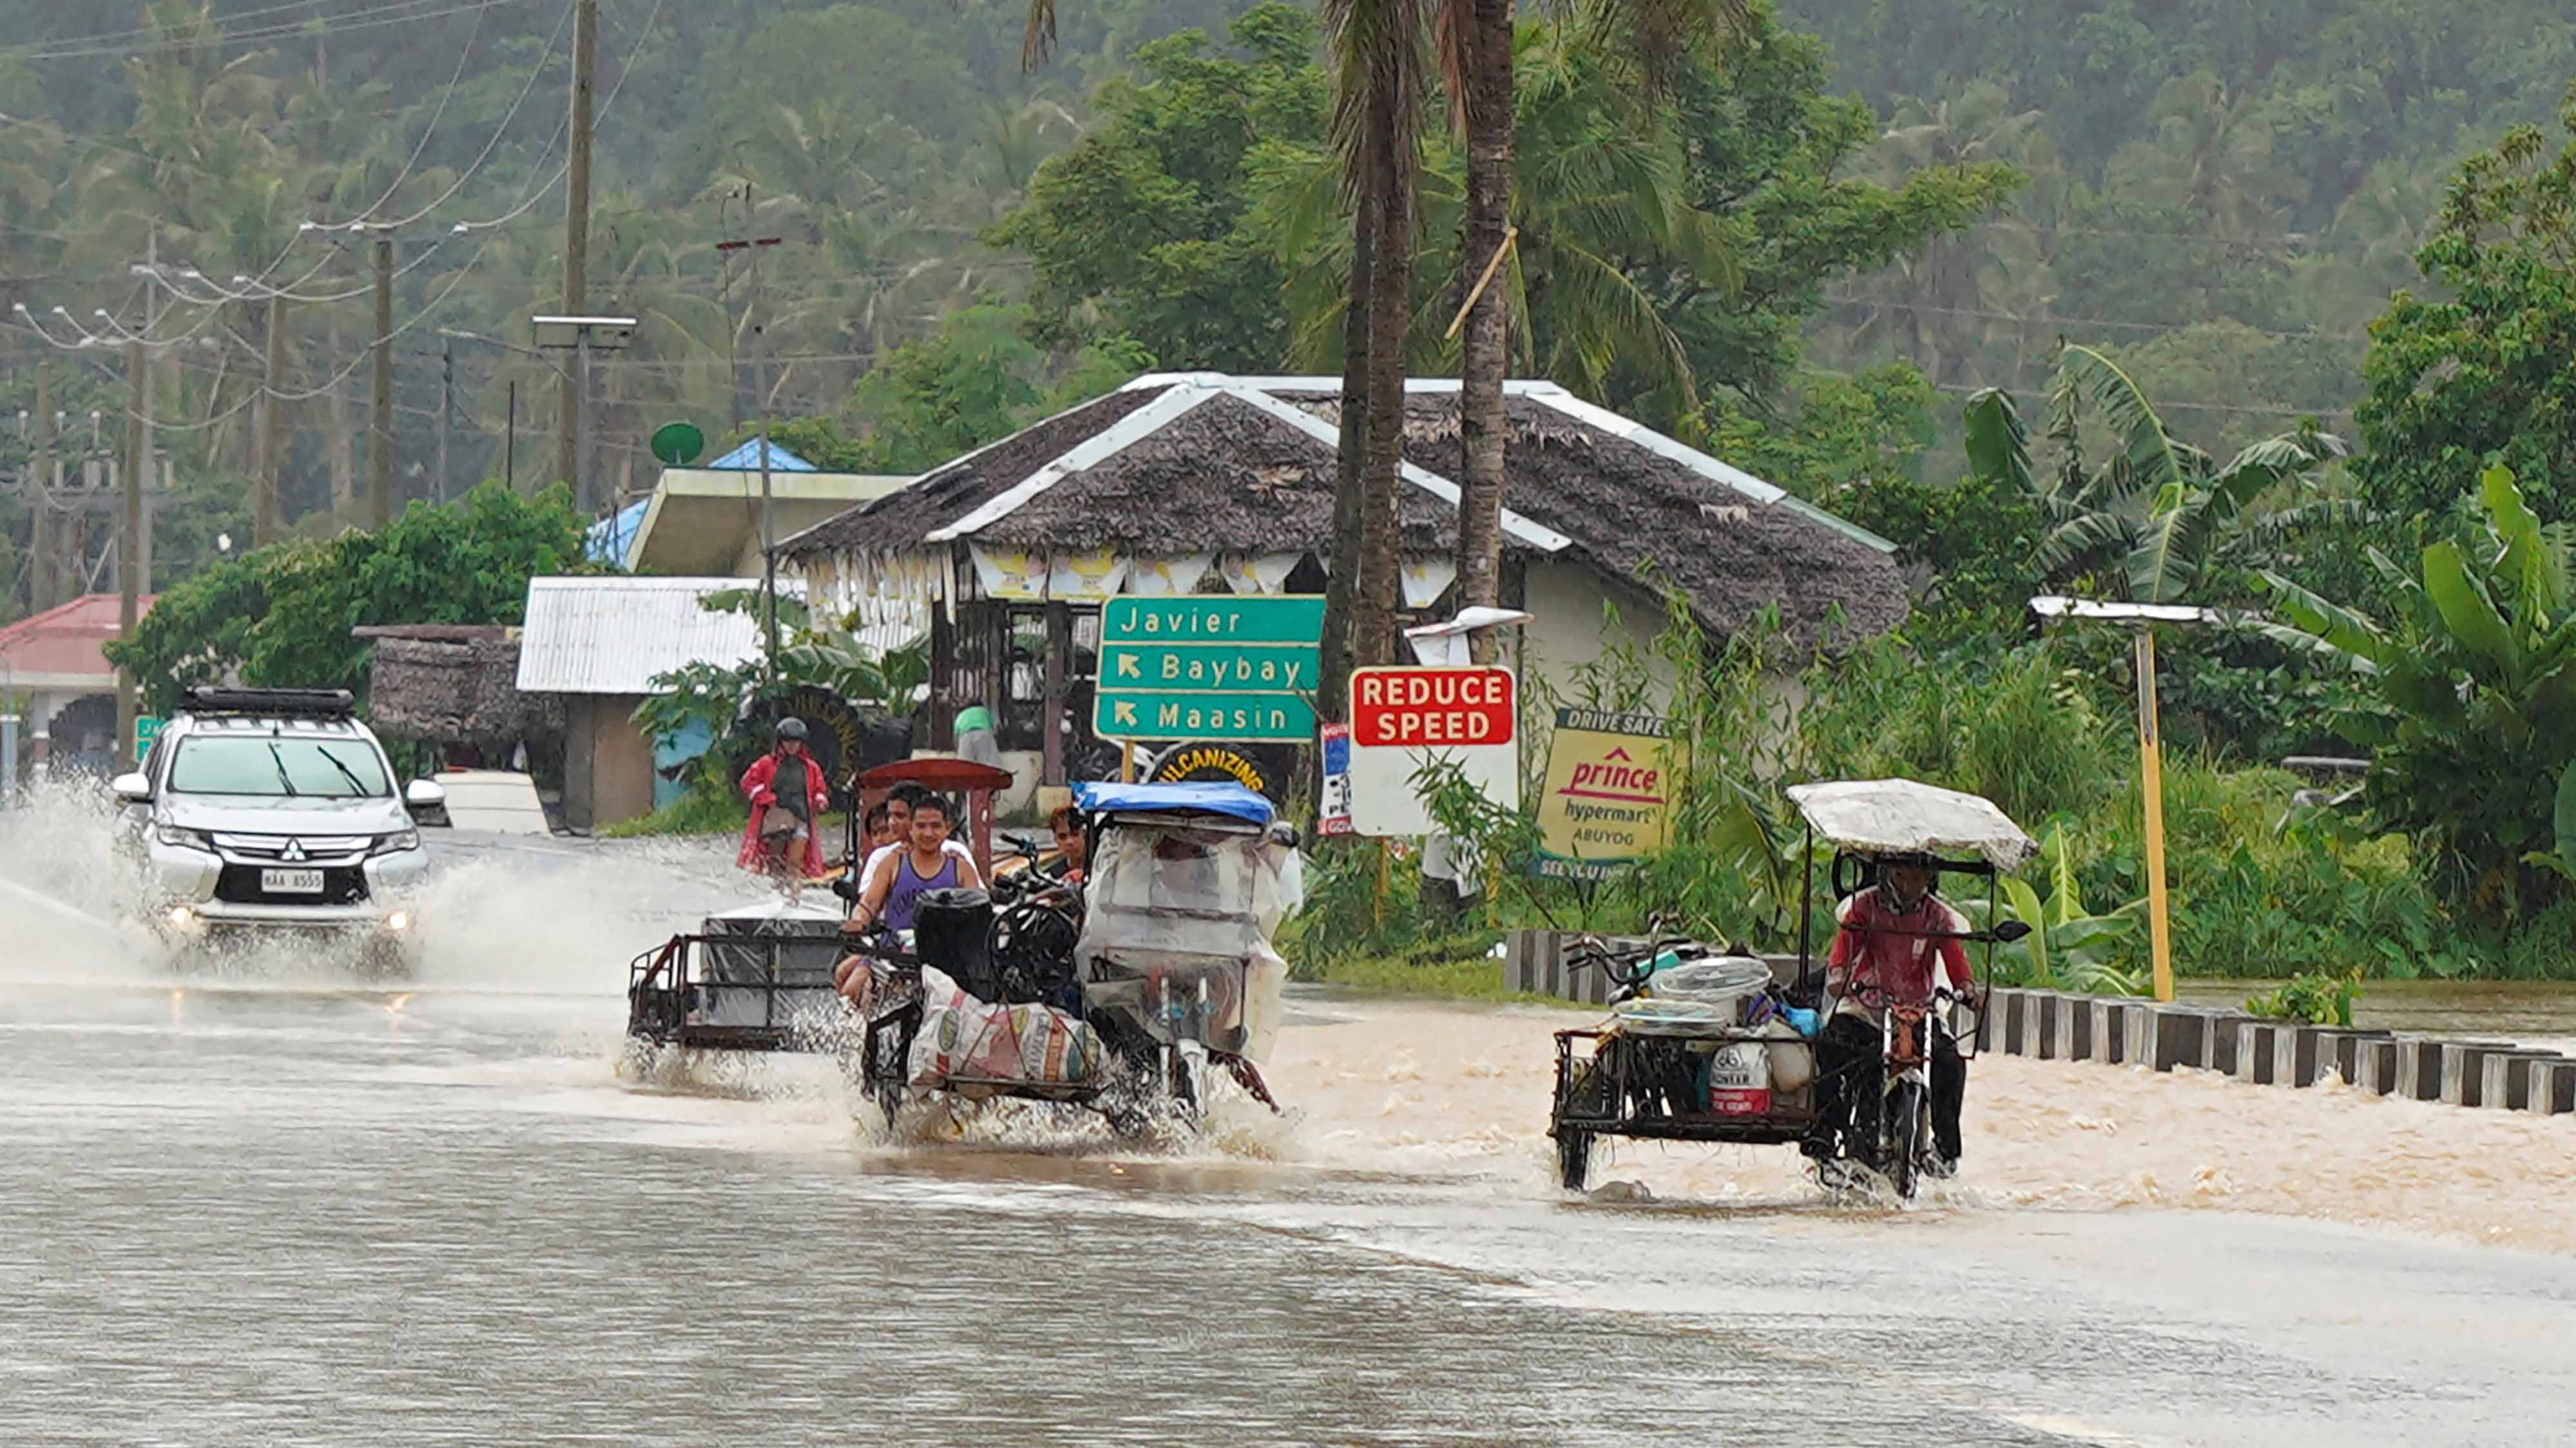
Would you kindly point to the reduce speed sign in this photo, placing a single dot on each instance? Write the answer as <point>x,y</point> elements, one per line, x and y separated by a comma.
<point>1406,708</point>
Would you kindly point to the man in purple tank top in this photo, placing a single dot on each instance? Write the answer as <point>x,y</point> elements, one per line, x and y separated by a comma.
<point>900,879</point>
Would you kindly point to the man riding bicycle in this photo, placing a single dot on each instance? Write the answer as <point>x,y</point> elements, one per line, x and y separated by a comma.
<point>1895,943</point>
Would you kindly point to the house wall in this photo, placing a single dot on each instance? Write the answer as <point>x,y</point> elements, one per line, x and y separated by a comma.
<point>1570,628</point>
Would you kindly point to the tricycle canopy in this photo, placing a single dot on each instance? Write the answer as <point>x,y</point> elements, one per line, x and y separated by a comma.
<point>1906,817</point>
<point>1231,800</point>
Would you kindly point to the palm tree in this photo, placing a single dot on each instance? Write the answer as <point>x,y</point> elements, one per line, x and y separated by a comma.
<point>2162,513</point>
<point>1476,41</point>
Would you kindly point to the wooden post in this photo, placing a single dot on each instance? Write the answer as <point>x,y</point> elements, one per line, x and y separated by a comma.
<point>2151,783</point>
<point>576,261</point>
<point>1059,647</point>
<point>380,403</point>
<point>272,459</point>
<point>39,493</point>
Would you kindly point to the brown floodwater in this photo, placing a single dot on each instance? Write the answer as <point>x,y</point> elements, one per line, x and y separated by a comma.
<point>264,1204</point>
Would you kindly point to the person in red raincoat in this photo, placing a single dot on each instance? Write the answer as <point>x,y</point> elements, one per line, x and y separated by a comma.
<point>788,794</point>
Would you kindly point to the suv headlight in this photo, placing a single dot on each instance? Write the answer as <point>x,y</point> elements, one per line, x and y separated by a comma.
<point>396,842</point>
<point>184,838</point>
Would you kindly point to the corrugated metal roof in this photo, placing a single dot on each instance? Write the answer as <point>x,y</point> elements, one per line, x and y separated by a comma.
<point>746,458</point>
<point>612,635</point>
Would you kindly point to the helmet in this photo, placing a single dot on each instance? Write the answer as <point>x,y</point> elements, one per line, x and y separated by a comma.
<point>791,728</point>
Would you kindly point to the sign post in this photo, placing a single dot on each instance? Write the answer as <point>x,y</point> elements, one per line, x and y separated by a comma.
<point>1607,803</point>
<point>1215,667</point>
<point>1405,719</point>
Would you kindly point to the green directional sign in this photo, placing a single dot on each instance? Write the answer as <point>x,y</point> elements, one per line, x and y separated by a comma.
<point>146,730</point>
<point>1211,667</point>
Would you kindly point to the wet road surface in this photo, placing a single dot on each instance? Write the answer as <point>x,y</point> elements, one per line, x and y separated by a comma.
<point>278,1208</point>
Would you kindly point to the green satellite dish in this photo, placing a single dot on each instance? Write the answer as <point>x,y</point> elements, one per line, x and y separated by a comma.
<point>678,444</point>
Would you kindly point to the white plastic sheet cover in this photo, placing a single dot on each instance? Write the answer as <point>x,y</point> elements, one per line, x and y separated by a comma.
<point>1906,817</point>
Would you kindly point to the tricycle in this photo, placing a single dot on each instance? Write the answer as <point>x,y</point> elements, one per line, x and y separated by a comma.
<point>1706,1046</point>
<point>1123,1005</point>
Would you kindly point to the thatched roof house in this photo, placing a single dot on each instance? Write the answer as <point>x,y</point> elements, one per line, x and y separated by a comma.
<point>456,684</point>
<point>1205,482</point>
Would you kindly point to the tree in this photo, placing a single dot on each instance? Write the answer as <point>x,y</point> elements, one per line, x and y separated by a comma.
<point>2160,513</point>
<point>2490,373</point>
<point>2467,701</point>
<point>281,615</point>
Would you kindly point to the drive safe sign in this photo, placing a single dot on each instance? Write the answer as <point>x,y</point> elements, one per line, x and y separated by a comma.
<point>1404,719</point>
<point>1411,708</point>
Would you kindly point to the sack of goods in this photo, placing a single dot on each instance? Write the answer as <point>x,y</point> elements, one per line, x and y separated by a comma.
<point>961,1036</point>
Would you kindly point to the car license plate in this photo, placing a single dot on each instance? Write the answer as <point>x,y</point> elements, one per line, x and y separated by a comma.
<point>290,882</point>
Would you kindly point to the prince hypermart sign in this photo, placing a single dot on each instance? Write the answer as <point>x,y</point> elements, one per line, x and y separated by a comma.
<point>1608,800</point>
<point>1407,721</point>
<point>1217,667</point>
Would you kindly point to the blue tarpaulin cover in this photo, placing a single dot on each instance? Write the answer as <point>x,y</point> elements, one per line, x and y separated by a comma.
<point>609,539</point>
<point>1223,799</point>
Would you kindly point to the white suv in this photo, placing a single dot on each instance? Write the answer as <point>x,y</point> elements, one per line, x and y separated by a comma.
<point>262,810</point>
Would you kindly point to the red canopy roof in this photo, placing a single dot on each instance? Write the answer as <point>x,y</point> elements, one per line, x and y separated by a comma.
<point>59,648</point>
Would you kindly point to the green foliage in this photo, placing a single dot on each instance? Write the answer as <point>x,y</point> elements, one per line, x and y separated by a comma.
<point>2161,515</point>
<point>1667,249</point>
<point>2486,371</point>
<point>707,807</point>
<point>281,615</point>
<point>2468,698</point>
<point>2307,999</point>
<point>812,654</point>
<point>2068,947</point>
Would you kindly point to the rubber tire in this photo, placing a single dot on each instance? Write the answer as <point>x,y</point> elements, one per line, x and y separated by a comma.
<point>1903,1159</point>
<point>1573,1158</point>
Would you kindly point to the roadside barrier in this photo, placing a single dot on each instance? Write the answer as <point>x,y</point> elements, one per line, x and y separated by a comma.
<point>2120,1030</point>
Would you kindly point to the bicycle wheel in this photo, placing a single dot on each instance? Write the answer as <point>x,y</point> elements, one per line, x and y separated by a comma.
<point>1573,1158</point>
<point>1905,1138</point>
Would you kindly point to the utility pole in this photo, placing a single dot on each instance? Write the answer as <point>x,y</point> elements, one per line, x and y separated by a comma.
<point>272,462</point>
<point>760,399</point>
<point>380,415</point>
<point>576,299</point>
<point>129,531</point>
<point>39,493</point>
<point>446,406</point>
<point>142,481</point>
<point>510,442</point>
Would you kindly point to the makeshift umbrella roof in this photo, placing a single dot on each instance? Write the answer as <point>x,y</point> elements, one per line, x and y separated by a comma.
<point>1906,817</point>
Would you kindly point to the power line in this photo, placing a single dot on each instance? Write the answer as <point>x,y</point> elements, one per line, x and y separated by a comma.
<point>437,114</point>
<point>366,19</point>
<point>2052,320</point>
<point>535,72</point>
<point>2265,410</point>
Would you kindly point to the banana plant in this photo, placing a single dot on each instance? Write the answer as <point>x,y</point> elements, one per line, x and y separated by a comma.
<point>2467,700</point>
<point>2068,947</point>
<point>2160,513</point>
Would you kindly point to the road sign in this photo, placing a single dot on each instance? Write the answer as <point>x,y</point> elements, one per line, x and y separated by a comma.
<point>1216,667</point>
<point>146,729</point>
<point>1406,721</point>
<point>1409,707</point>
<point>1161,714</point>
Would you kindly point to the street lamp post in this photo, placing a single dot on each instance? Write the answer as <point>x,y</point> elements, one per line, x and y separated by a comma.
<point>2140,619</point>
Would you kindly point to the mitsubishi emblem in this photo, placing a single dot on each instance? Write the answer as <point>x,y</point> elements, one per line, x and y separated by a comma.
<point>294,850</point>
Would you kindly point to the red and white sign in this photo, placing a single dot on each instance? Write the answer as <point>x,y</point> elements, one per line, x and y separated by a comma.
<point>1405,719</point>
<point>1407,708</point>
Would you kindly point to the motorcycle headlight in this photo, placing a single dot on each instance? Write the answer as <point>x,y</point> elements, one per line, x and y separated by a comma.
<point>184,838</point>
<point>397,841</point>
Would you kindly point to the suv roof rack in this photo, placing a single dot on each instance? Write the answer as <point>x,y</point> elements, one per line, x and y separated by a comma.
<point>293,703</point>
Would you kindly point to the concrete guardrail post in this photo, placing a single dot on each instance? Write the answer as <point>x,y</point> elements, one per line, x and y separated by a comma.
<point>2294,1054</point>
<point>2107,1035</point>
<point>2464,1071</point>
<point>2161,1037</point>
<point>2551,1091</point>
<point>2374,1065</point>
<point>2254,1052</point>
<point>2065,1028</point>
<point>2509,1077</point>
<point>2419,1069</point>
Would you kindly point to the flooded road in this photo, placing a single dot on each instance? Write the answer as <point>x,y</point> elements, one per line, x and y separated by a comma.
<point>273,1208</point>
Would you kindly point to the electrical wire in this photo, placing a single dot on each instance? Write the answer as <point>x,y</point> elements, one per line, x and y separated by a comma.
<point>364,19</point>
<point>535,72</point>
<point>438,113</point>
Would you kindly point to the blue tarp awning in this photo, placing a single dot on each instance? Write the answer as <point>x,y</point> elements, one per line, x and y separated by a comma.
<point>1224,799</point>
<point>613,537</point>
<point>746,459</point>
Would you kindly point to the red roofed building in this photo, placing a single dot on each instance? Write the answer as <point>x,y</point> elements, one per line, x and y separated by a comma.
<point>55,659</point>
